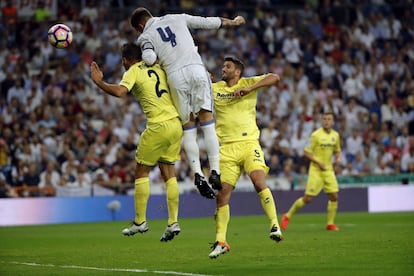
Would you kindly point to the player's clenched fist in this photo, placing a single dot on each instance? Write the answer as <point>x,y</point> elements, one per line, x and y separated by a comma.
<point>239,20</point>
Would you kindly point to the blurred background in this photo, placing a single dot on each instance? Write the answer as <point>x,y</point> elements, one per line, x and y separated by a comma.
<point>60,136</point>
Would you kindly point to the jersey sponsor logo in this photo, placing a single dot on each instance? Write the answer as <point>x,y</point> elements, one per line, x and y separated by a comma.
<point>225,95</point>
<point>327,145</point>
<point>224,98</point>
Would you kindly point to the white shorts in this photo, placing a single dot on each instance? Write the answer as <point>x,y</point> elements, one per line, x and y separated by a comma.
<point>191,90</point>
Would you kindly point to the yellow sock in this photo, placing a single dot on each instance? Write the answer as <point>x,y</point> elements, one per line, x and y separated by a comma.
<point>332,207</point>
<point>297,205</point>
<point>269,206</point>
<point>172,192</point>
<point>141,195</point>
<point>222,220</point>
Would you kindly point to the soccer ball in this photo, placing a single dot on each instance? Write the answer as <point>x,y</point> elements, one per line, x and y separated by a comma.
<point>60,36</point>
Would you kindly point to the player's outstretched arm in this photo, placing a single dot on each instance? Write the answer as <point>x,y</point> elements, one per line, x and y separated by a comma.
<point>237,21</point>
<point>112,89</point>
<point>269,80</point>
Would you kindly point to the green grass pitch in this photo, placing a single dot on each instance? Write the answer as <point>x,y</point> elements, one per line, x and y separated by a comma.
<point>367,244</point>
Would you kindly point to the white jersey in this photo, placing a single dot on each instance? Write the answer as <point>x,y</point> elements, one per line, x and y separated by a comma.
<point>170,38</point>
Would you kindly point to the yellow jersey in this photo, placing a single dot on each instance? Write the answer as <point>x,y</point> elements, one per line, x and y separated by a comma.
<point>322,146</point>
<point>149,86</point>
<point>236,117</point>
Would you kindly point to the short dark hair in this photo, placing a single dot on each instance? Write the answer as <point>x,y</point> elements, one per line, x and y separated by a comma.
<point>237,62</point>
<point>131,51</point>
<point>139,15</point>
<point>328,112</point>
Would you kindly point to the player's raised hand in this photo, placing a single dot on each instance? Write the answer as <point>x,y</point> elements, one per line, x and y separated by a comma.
<point>239,20</point>
<point>241,92</point>
<point>96,73</point>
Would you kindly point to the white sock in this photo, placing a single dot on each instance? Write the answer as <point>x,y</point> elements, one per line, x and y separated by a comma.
<point>191,149</point>
<point>212,145</point>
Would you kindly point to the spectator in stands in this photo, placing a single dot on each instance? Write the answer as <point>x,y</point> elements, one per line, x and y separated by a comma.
<point>17,91</point>
<point>350,112</point>
<point>316,28</point>
<point>368,156</point>
<point>407,161</point>
<point>49,180</point>
<point>384,158</point>
<point>358,162</point>
<point>34,97</point>
<point>31,180</point>
<point>286,178</point>
<point>353,86</point>
<point>120,131</point>
<point>17,173</point>
<point>24,152</point>
<point>112,61</point>
<point>84,178</point>
<point>349,169</point>
<point>354,144</point>
<point>402,139</point>
<point>93,43</point>
<point>41,12</point>
<point>368,94</point>
<point>298,143</point>
<point>37,61</point>
<point>300,178</point>
<point>399,118</point>
<point>117,173</point>
<point>328,69</point>
<point>382,168</point>
<point>101,178</point>
<point>324,92</point>
<point>6,191</point>
<point>8,27</point>
<point>291,48</point>
<point>70,164</point>
<point>53,90</point>
<point>268,134</point>
<point>9,16</point>
<point>90,10</point>
<point>330,29</point>
<point>5,154</point>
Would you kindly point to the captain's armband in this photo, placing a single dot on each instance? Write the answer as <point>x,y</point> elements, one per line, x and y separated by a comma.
<point>147,46</point>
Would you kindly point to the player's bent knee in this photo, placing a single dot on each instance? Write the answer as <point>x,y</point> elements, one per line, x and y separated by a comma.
<point>307,199</point>
<point>205,115</point>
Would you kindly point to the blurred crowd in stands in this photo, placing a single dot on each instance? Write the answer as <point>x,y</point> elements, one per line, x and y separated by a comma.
<point>353,57</point>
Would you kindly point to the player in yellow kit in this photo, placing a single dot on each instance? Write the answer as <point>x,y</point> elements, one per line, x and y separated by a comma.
<point>324,143</point>
<point>160,143</point>
<point>235,100</point>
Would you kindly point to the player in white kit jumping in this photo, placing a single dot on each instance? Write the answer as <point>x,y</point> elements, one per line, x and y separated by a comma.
<point>169,40</point>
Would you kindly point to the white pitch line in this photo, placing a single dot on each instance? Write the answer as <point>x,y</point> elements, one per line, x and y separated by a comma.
<point>109,269</point>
